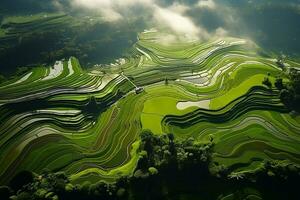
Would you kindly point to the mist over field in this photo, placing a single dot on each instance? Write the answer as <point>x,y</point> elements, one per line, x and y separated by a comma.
<point>274,25</point>
<point>149,99</point>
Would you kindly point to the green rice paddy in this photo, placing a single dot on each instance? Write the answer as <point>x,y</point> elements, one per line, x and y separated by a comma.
<point>87,123</point>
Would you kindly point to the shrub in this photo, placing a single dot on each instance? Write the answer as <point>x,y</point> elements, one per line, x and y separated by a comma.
<point>267,82</point>
<point>5,192</point>
<point>21,179</point>
<point>153,170</point>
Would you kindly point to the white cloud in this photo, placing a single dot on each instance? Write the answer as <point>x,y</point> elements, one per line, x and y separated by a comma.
<point>109,9</point>
<point>221,32</point>
<point>172,17</point>
<point>167,39</point>
<point>101,4</point>
<point>93,4</point>
<point>134,2</point>
<point>111,15</point>
<point>179,23</point>
<point>179,8</point>
<point>104,7</point>
<point>57,5</point>
<point>206,4</point>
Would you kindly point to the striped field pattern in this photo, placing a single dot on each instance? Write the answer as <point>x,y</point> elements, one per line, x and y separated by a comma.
<point>87,122</point>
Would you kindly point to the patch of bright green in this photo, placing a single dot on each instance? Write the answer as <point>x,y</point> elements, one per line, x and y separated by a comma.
<point>235,92</point>
<point>163,102</point>
<point>125,169</point>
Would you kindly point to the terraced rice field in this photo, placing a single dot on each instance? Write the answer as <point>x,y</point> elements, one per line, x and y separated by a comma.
<point>87,123</point>
<point>15,28</point>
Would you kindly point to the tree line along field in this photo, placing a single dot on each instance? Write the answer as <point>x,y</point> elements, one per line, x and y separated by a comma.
<point>87,122</point>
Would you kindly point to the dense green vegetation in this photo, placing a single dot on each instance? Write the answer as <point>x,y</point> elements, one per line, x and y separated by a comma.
<point>167,169</point>
<point>223,101</point>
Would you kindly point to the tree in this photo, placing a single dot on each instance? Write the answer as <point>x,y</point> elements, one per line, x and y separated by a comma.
<point>21,179</point>
<point>24,196</point>
<point>267,82</point>
<point>141,174</point>
<point>280,61</point>
<point>287,97</point>
<point>290,93</point>
<point>5,192</point>
<point>102,190</point>
<point>279,83</point>
<point>122,193</point>
<point>153,170</point>
<point>166,81</point>
<point>86,186</point>
<point>219,170</point>
<point>91,106</point>
<point>171,137</point>
<point>295,80</point>
<point>147,141</point>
